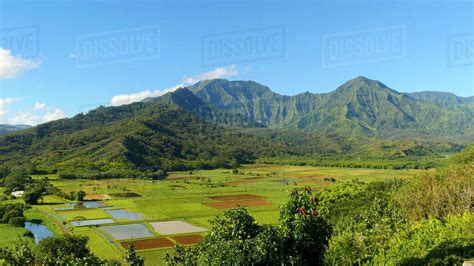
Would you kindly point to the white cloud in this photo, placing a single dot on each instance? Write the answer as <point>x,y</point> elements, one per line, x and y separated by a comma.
<point>34,118</point>
<point>4,102</point>
<point>33,115</point>
<point>54,115</point>
<point>26,118</point>
<point>221,72</point>
<point>136,97</point>
<point>39,106</point>
<point>11,66</point>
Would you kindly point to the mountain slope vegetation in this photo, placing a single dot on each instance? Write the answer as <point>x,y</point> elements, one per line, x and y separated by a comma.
<point>220,123</point>
<point>359,107</point>
<point>5,128</point>
<point>136,136</point>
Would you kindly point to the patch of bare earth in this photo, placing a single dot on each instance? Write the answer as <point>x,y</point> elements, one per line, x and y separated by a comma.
<point>188,240</point>
<point>161,242</point>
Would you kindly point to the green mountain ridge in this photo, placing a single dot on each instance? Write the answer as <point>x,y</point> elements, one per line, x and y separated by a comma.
<point>137,136</point>
<point>6,128</point>
<point>445,99</point>
<point>361,107</point>
<point>220,123</point>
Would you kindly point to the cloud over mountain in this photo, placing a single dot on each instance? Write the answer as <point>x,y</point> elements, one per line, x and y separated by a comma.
<point>11,66</point>
<point>220,72</point>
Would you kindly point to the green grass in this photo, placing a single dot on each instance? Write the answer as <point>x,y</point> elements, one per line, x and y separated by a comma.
<point>10,234</point>
<point>153,257</point>
<point>83,214</point>
<point>49,176</point>
<point>99,244</point>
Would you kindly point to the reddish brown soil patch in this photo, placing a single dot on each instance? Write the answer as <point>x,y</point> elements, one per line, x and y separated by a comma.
<point>188,240</point>
<point>149,243</point>
<point>240,197</point>
<point>237,203</point>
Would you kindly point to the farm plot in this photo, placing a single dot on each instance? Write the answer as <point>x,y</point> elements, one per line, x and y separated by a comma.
<point>236,197</point>
<point>125,195</point>
<point>82,214</point>
<point>244,181</point>
<point>87,204</point>
<point>97,197</point>
<point>92,222</point>
<point>127,231</point>
<point>123,214</point>
<point>188,240</point>
<point>234,201</point>
<point>185,196</point>
<point>238,203</point>
<point>176,227</point>
<point>160,242</point>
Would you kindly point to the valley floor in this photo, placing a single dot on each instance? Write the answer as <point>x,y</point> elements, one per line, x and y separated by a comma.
<point>191,197</point>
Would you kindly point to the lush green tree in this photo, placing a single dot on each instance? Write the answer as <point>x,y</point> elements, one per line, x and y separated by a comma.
<point>306,234</point>
<point>66,250</point>
<point>449,190</point>
<point>4,171</point>
<point>236,239</point>
<point>12,213</point>
<point>20,254</point>
<point>80,195</point>
<point>17,221</point>
<point>34,193</point>
<point>16,180</point>
<point>132,257</point>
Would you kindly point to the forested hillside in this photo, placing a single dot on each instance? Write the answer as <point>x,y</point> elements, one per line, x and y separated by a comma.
<point>219,123</point>
<point>147,136</point>
<point>5,128</point>
<point>359,107</point>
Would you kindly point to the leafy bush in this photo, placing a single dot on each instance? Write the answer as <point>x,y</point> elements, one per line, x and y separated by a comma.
<point>17,221</point>
<point>13,211</point>
<point>448,191</point>
<point>426,221</point>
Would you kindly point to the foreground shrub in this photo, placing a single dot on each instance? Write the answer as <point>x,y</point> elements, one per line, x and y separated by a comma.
<point>445,241</point>
<point>17,221</point>
<point>447,191</point>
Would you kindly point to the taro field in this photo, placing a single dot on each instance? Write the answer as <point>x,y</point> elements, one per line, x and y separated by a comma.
<point>157,215</point>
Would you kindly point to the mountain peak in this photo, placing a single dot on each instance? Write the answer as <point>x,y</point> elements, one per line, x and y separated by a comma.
<point>363,83</point>
<point>361,78</point>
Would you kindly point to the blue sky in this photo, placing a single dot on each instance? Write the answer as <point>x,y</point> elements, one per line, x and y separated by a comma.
<point>49,68</point>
